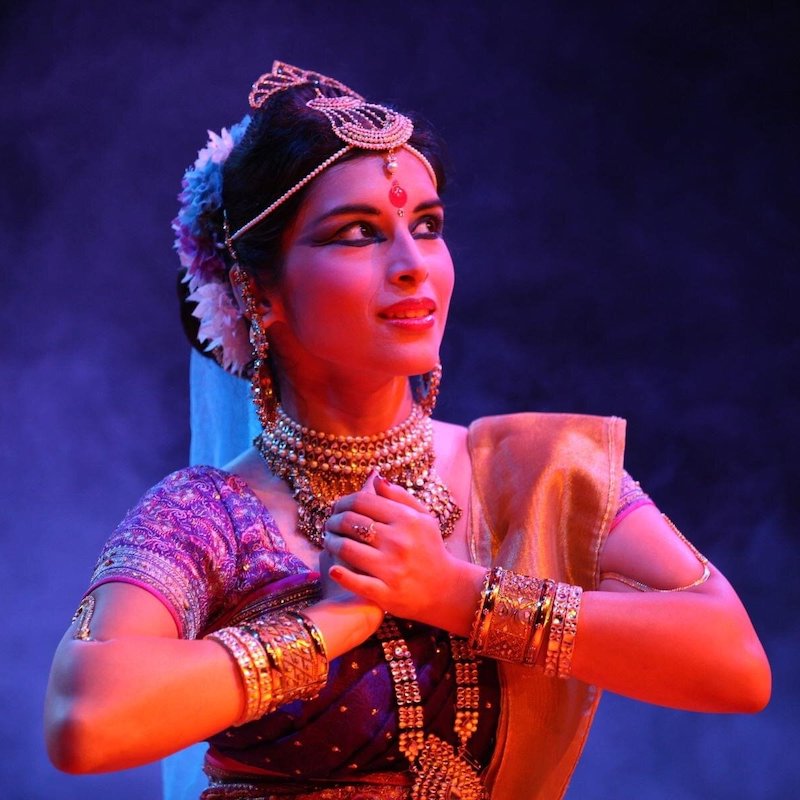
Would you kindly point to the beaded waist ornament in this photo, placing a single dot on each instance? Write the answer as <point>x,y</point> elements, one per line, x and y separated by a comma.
<point>441,772</point>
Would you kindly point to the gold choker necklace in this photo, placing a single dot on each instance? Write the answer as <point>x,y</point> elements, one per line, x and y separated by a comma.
<point>321,467</point>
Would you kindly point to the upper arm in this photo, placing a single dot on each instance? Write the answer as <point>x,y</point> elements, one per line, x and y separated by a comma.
<point>645,548</point>
<point>122,609</point>
<point>119,610</point>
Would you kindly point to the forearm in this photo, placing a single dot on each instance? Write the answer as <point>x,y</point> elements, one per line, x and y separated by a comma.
<point>344,624</point>
<point>128,701</point>
<point>694,650</point>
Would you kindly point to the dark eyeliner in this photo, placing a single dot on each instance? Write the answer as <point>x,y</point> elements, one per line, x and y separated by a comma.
<point>438,225</point>
<point>333,239</point>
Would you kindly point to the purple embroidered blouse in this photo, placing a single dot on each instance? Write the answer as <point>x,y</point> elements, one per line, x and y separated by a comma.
<point>206,547</point>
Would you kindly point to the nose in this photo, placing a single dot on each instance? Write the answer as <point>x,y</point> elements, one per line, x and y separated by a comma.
<point>407,264</point>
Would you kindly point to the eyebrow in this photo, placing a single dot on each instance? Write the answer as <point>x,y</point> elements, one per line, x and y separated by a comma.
<point>435,203</point>
<point>362,208</point>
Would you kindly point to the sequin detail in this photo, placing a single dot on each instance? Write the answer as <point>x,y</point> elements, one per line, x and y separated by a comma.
<point>631,496</point>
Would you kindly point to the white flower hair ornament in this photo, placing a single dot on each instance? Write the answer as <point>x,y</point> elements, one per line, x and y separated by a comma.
<point>223,329</point>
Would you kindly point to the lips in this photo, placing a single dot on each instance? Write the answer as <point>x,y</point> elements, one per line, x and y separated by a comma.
<point>414,308</point>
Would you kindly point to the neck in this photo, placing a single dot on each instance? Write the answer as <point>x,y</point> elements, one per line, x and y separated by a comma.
<point>356,409</point>
<point>323,461</point>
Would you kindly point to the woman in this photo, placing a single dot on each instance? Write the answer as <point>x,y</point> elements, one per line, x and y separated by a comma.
<point>395,607</point>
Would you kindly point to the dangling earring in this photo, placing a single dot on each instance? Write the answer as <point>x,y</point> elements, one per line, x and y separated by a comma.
<point>425,389</point>
<point>261,383</point>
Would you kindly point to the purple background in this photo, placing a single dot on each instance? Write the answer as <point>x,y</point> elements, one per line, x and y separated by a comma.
<point>623,216</point>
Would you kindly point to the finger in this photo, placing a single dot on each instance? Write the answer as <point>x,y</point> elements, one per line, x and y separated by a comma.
<point>363,585</point>
<point>325,561</point>
<point>366,505</point>
<point>368,488</point>
<point>359,556</point>
<point>391,491</point>
<point>353,526</point>
<point>365,533</point>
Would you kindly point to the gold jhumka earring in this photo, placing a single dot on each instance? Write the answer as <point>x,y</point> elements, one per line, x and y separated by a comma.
<point>261,383</point>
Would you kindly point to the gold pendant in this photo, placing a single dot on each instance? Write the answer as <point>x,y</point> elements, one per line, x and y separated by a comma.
<point>441,774</point>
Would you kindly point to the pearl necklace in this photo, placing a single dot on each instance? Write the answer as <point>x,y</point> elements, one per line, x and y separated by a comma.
<point>321,467</point>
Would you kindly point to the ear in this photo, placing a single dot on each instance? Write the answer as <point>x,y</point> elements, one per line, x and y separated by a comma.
<point>251,298</point>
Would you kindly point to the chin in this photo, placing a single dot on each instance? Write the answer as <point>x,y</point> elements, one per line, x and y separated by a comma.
<point>409,360</point>
<point>420,366</point>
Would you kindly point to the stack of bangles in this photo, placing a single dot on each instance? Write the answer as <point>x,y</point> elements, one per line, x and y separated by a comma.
<point>281,657</point>
<point>527,621</point>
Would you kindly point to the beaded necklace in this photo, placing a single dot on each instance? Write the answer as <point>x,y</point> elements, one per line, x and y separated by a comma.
<point>441,772</point>
<point>321,467</point>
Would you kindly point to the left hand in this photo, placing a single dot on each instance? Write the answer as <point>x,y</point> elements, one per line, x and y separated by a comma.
<point>389,549</point>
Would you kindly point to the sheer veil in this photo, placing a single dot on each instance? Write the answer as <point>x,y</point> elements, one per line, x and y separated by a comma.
<point>223,424</point>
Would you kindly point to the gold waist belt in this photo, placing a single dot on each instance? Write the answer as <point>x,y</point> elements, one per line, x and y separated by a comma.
<point>358,791</point>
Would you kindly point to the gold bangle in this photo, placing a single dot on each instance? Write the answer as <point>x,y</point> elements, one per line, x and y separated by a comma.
<point>513,617</point>
<point>570,630</point>
<point>556,630</point>
<point>541,625</point>
<point>300,665</point>
<point>563,629</point>
<point>512,622</point>
<point>483,615</point>
<point>240,646</point>
<point>315,632</point>
<point>280,658</point>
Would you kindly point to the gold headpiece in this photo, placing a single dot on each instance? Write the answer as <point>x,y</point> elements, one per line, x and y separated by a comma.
<point>284,76</point>
<point>356,122</point>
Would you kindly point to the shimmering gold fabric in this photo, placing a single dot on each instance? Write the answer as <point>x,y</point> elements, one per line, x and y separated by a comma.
<point>544,493</point>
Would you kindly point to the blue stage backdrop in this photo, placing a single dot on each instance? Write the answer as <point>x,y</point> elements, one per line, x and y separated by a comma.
<point>623,217</point>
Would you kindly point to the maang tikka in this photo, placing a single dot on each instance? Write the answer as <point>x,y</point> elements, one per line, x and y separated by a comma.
<point>397,194</point>
<point>356,122</point>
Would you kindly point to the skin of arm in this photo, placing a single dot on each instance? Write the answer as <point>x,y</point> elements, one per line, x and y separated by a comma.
<point>130,696</point>
<point>136,692</point>
<point>694,649</point>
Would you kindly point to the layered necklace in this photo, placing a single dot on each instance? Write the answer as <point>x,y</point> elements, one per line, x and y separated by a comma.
<point>321,467</point>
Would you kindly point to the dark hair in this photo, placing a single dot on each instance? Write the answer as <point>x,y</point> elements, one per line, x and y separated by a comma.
<point>283,143</point>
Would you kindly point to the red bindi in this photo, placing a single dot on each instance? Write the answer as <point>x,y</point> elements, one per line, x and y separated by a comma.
<point>397,195</point>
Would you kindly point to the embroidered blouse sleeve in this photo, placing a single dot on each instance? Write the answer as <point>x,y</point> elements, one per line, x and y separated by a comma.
<point>178,543</point>
<point>631,497</point>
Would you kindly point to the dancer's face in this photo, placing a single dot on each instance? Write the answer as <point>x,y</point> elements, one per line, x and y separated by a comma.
<point>363,289</point>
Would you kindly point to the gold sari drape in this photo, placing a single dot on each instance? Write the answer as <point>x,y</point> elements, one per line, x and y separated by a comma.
<point>544,491</point>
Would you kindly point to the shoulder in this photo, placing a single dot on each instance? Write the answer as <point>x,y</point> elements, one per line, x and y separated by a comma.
<point>193,488</point>
<point>200,475</point>
<point>534,428</point>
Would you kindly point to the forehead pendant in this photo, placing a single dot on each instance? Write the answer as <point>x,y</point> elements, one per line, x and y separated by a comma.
<point>397,194</point>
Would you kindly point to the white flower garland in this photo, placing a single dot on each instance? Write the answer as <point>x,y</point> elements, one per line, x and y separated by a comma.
<point>223,328</point>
